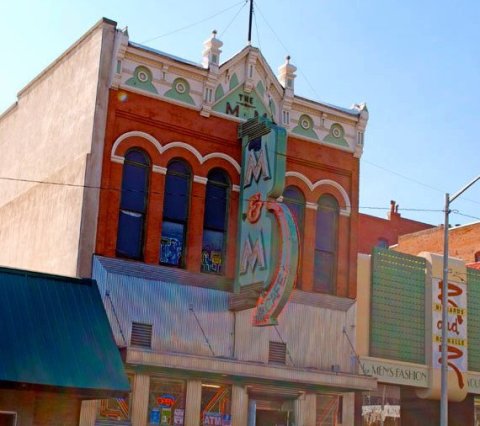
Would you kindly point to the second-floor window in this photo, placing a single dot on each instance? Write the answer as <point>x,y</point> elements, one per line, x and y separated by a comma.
<point>175,214</point>
<point>133,204</point>
<point>326,237</point>
<point>295,201</point>
<point>215,222</point>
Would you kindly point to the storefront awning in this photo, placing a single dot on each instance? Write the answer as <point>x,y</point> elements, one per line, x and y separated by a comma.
<point>56,336</point>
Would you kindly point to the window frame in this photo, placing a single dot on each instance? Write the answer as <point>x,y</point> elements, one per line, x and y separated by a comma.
<point>148,167</point>
<point>228,189</point>
<point>331,285</point>
<point>183,222</point>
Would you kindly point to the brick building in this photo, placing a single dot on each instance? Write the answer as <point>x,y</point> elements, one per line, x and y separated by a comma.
<point>377,232</point>
<point>463,242</point>
<point>205,200</point>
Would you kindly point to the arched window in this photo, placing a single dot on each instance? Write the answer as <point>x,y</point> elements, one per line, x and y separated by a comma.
<point>295,201</point>
<point>326,244</point>
<point>133,204</point>
<point>175,214</point>
<point>215,222</point>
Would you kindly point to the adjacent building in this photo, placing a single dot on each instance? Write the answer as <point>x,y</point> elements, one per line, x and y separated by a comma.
<point>378,232</point>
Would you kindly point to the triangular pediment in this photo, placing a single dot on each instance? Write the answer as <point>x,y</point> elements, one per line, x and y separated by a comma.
<point>246,87</point>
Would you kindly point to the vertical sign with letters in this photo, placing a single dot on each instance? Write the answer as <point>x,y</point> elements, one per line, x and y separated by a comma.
<point>456,328</point>
<point>268,236</point>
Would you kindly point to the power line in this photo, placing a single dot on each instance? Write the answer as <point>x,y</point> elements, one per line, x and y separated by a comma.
<point>233,19</point>
<point>192,24</point>
<point>287,51</point>
<point>414,180</point>
<point>73,185</point>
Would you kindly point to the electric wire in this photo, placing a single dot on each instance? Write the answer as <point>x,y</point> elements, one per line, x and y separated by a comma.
<point>73,185</point>
<point>287,51</point>
<point>286,348</point>
<point>190,308</point>
<point>192,24</point>
<point>232,20</point>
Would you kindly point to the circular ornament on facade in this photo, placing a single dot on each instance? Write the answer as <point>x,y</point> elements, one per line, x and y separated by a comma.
<point>180,87</point>
<point>142,76</point>
<point>337,131</point>
<point>305,123</point>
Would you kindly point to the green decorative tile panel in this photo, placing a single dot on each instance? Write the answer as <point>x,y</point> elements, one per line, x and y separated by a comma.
<point>219,93</point>
<point>336,135</point>
<point>260,88</point>
<point>142,79</point>
<point>233,82</point>
<point>305,127</point>
<point>242,105</point>
<point>180,91</point>
<point>473,319</point>
<point>397,317</point>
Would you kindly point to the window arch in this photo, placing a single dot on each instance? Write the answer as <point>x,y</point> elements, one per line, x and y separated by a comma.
<point>176,203</point>
<point>133,204</point>
<point>293,198</point>
<point>326,242</point>
<point>215,221</point>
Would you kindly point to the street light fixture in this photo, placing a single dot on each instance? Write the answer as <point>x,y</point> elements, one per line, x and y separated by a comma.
<point>444,347</point>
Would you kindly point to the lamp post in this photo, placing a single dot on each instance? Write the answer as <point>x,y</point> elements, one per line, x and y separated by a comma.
<point>444,346</point>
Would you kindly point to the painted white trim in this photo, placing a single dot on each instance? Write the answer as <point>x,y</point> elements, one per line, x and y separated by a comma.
<point>312,186</point>
<point>200,179</point>
<point>161,149</point>
<point>225,157</point>
<point>309,205</point>
<point>236,188</point>
<point>117,159</point>
<point>280,199</point>
<point>159,169</point>
<point>134,133</point>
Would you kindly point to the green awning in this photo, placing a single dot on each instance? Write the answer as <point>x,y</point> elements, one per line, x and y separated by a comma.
<point>54,333</point>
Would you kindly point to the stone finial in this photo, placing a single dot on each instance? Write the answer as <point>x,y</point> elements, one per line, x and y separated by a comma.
<point>286,74</point>
<point>211,51</point>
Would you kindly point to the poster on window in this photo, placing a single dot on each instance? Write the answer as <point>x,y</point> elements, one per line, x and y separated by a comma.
<point>212,251</point>
<point>171,243</point>
<point>178,416</point>
<point>155,416</point>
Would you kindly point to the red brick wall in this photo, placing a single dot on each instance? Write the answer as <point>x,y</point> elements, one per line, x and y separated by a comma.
<point>371,229</point>
<point>41,408</point>
<point>464,242</point>
<point>168,123</point>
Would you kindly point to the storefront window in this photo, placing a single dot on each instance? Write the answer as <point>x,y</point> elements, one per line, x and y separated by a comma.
<point>114,409</point>
<point>166,404</point>
<point>216,405</point>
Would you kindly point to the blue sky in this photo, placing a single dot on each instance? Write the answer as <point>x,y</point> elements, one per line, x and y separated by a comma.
<point>415,63</point>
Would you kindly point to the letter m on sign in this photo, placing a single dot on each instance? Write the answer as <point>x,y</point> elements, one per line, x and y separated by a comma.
<point>252,256</point>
